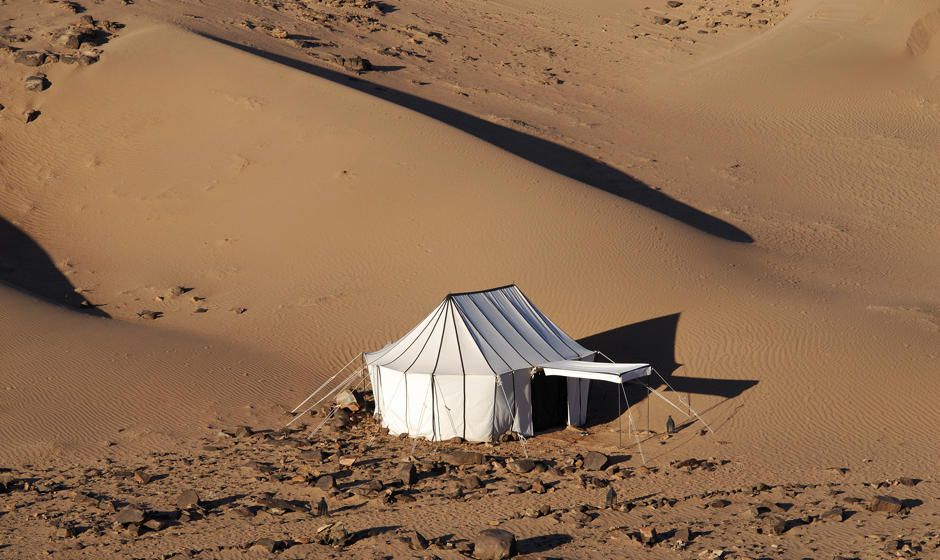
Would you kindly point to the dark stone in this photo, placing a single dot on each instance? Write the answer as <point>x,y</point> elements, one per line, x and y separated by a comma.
<point>673,3</point>
<point>885,503</point>
<point>595,461</point>
<point>522,466</point>
<point>30,58</point>
<point>407,474</point>
<point>460,458</point>
<point>357,64</point>
<point>188,499</point>
<point>470,482</point>
<point>494,544</point>
<point>834,514</point>
<point>326,483</point>
<point>37,83</point>
<point>266,545</point>
<point>128,515</point>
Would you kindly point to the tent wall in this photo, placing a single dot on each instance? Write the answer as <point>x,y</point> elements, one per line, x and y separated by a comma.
<point>578,393</point>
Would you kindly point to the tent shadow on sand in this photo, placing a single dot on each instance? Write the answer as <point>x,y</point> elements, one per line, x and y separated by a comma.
<point>652,341</point>
<point>555,157</point>
<point>25,266</point>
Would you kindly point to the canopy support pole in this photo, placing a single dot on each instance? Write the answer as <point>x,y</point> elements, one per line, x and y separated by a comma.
<point>672,404</point>
<point>632,428</point>
<point>619,422</point>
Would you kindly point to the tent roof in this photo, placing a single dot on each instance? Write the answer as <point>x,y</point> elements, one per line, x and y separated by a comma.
<point>485,332</point>
<point>615,373</point>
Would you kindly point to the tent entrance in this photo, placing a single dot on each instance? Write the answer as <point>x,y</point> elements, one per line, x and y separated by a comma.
<point>549,402</point>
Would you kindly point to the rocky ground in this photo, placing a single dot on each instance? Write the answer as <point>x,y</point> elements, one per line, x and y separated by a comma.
<point>350,490</point>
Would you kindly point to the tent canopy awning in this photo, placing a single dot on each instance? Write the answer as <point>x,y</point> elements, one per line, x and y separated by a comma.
<point>614,373</point>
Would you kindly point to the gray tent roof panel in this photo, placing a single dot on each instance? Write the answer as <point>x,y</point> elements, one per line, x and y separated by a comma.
<point>500,328</point>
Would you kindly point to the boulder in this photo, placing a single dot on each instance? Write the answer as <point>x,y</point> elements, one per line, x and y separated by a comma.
<point>264,545</point>
<point>834,514</point>
<point>326,483</point>
<point>648,535</point>
<point>885,503</point>
<point>522,466</point>
<point>142,477</point>
<point>595,461</point>
<point>333,534</point>
<point>36,82</point>
<point>470,482</point>
<point>357,64</point>
<point>407,474</point>
<point>610,499</point>
<point>128,515</point>
<point>30,58</point>
<point>415,540</point>
<point>494,544</point>
<point>188,499</point>
<point>460,458</point>
<point>348,400</point>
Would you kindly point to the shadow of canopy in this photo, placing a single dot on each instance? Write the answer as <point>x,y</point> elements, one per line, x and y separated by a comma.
<point>544,153</point>
<point>652,341</point>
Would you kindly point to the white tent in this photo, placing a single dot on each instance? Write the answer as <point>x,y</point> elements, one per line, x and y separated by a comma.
<point>482,364</point>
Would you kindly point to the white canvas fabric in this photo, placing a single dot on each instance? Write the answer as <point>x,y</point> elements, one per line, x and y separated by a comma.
<point>465,370</point>
<point>614,373</point>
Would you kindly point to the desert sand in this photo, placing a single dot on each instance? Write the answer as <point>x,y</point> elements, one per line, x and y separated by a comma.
<point>207,208</point>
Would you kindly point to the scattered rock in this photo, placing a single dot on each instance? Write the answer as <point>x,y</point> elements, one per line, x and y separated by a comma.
<point>407,474</point>
<point>322,508</point>
<point>673,3</point>
<point>148,314</point>
<point>470,482</point>
<point>128,515</point>
<point>720,503</point>
<point>611,499</point>
<point>885,503</point>
<point>357,64</point>
<point>188,499</point>
<point>333,534</point>
<point>348,400</point>
<point>595,461</point>
<point>30,58</point>
<point>326,483</point>
<point>494,544</point>
<point>279,33</point>
<point>37,82</point>
<point>460,458</point>
<point>907,481</point>
<point>648,535</point>
<point>415,540</point>
<point>31,115</point>
<point>141,477</point>
<point>660,20</point>
<point>834,514</point>
<point>265,545</point>
<point>521,466</point>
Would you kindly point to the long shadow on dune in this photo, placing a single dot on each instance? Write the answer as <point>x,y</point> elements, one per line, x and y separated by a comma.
<point>544,153</point>
<point>652,341</point>
<point>26,266</point>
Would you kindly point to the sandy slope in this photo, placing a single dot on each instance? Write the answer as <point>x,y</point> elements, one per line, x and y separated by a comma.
<point>337,219</point>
